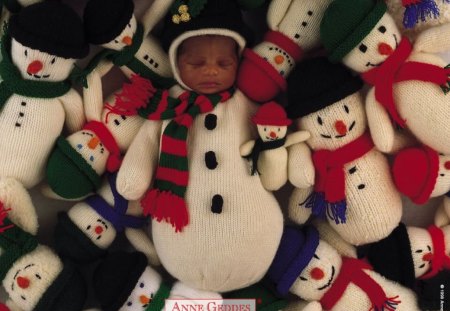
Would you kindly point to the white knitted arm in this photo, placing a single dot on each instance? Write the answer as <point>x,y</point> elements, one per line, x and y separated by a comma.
<point>246,148</point>
<point>296,210</point>
<point>302,305</point>
<point>141,242</point>
<point>301,171</point>
<point>442,216</point>
<point>12,305</point>
<point>329,235</point>
<point>140,161</point>
<point>276,12</point>
<point>434,40</point>
<point>73,107</point>
<point>296,138</point>
<point>154,14</point>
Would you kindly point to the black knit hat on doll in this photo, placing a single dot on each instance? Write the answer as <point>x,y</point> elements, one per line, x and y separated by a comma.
<point>116,276</point>
<point>50,27</point>
<point>104,20</point>
<point>306,96</point>
<point>185,16</point>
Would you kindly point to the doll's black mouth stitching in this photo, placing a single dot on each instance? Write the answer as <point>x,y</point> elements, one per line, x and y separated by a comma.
<point>329,281</point>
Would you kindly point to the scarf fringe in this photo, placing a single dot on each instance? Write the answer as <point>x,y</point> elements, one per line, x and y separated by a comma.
<point>134,95</point>
<point>164,205</point>
<point>3,214</point>
<point>419,9</point>
<point>321,208</point>
<point>389,305</point>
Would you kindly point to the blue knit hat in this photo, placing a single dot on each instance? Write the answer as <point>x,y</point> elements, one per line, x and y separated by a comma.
<point>296,250</point>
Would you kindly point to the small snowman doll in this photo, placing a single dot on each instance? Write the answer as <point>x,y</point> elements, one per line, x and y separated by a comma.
<point>268,153</point>
<point>33,276</point>
<point>417,258</point>
<point>409,80</point>
<point>88,229</point>
<point>294,29</point>
<point>346,179</point>
<point>76,164</point>
<point>314,271</point>
<point>43,43</point>
<point>125,282</point>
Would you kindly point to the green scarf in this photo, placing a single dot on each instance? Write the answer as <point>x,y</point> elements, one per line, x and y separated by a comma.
<point>166,199</point>
<point>13,83</point>
<point>126,57</point>
<point>158,301</point>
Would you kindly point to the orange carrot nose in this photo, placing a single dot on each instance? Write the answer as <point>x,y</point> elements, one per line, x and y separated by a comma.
<point>317,274</point>
<point>340,127</point>
<point>127,40</point>
<point>447,165</point>
<point>23,282</point>
<point>144,299</point>
<point>34,67</point>
<point>273,135</point>
<point>93,142</point>
<point>428,257</point>
<point>278,59</point>
<point>385,49</point>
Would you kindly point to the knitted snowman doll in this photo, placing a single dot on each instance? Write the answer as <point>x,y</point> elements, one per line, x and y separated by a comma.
<point>346,179</point>
<point>313,270</point>
<point>124,281</point>
<point>43,43</point>
<point>203,199</point>
<point>294,29</point>
<point>415,16</point>
<point>76,164</point>
<point>32,275</point>
<point>429,178</point>
<point>128,45</point>
<point>417,258</point>
<point>86,231</point>
<point>409,81</point>
<point>268,153</point>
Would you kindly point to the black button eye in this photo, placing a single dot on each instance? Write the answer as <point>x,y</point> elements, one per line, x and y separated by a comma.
<point>382,29</point>
<point>346,109</point>
<point>319,120</point>
<point>363,48</point>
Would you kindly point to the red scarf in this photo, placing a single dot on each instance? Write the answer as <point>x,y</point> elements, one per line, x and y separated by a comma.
<point>329,165</point>
<point>352,271</point>
<point>441,260</point>
<point>396,69</point>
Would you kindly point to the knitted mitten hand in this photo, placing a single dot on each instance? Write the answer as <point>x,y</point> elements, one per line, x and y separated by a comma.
<point>353,188</point>
<point>409,84</point>
<point>294,29</point>
<point>313,270</point>
<point>77,163</point>
<point>32,274</point>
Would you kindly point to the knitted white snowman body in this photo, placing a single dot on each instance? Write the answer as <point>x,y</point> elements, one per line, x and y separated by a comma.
<point>374,207</point>
<point>422,105</point>
<point>294,29</point>
<point>31,125</point>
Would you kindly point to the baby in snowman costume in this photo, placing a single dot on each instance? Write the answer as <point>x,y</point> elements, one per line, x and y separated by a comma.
<point>311,269</point>
<point>409,81</point>
<point>345,178</point>
<point>208,212</point>
<point>41,47</point>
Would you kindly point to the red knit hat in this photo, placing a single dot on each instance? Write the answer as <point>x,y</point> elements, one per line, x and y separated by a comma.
<point>415,172</point>
<point>271,113</point>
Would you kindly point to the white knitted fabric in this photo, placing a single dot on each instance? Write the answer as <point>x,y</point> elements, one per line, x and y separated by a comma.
<point>374,207</point>
<point>30,126</point>
<point>397,10</point>
<point>40,267</point>
<point>423,105</point>
<point>328,260</point>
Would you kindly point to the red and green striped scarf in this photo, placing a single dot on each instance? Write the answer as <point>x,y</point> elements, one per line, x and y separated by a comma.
<point>166,200</point>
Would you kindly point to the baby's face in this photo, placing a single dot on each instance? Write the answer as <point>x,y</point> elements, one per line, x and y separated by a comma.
<point>208,64</point>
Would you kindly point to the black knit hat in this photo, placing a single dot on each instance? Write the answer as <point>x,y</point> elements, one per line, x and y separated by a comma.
<point>67,292</point>
<point>50,27</point>
<point>204,14</point>
<point>392,258</point>
<point>71,243</point>
<point>12,5</point>
<point>116,276</point>
<point>104,20</point>
<point>316,83</point>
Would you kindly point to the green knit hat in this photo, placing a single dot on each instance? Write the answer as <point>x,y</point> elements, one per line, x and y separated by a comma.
<point>265,299</point>
<point>346,23</point>
<point>68,174</point>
